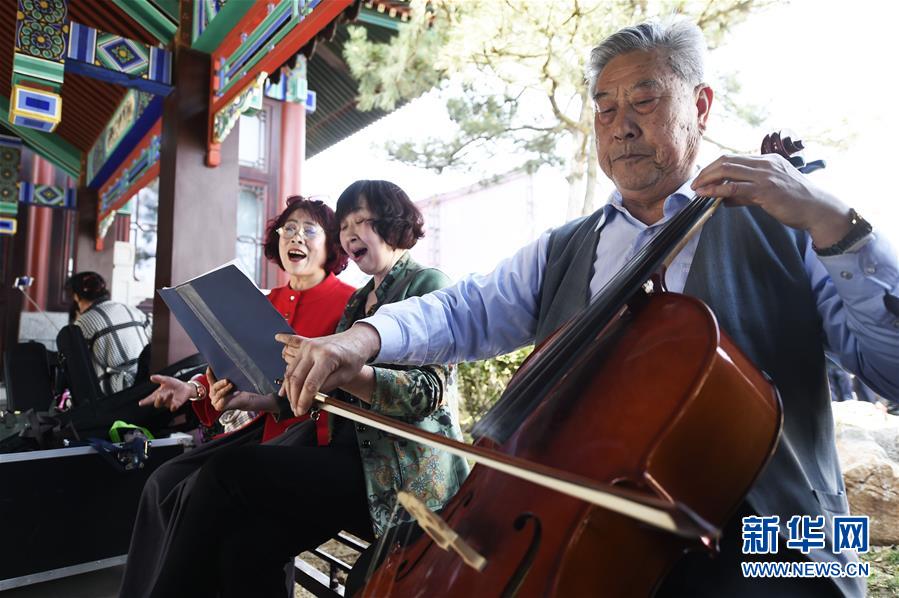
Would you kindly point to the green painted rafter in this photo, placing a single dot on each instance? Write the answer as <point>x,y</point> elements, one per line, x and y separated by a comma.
<point>277,12</point>
<point>151,18</point>
<point>373,17</point>
<point>230,14</point>
<point>170,7</point>
<point>49,145</point>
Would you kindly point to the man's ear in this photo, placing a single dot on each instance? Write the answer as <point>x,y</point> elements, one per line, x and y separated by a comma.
<point>704,96</point>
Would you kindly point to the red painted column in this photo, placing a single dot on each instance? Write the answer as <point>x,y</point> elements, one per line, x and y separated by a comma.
<point>293,148</point>
<point>293,156</point>
<point>40,226</point>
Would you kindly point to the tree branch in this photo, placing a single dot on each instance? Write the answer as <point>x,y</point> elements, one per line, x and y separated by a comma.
<point>726,148</point>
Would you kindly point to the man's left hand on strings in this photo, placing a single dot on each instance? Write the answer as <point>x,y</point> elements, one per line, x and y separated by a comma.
<point>773,184</point>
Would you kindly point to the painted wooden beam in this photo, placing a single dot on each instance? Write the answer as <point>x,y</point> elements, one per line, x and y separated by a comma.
<point>48,196</point>
<point>264,37</point>
<point>132,175</point>
<point>34,107</point>
<point>136,115</point>
<point>153,16</point>
<point>170,7</point>
<point>37,65</point>
<point>10,159</point>
<point>268,53</point>
<point>119,60</point>
<point>139,168</point>
<point>374,17</point>
<point>212,22</point>
<point>52,147</point>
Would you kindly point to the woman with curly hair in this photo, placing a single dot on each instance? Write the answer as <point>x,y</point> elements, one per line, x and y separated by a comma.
<point>303,242</point>
<point>304,495</point>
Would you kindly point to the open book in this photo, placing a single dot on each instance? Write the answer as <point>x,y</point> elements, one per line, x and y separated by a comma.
<point>233,326</point>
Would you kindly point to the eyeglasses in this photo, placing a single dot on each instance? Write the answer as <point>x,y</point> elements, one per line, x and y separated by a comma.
<point>291,230</point>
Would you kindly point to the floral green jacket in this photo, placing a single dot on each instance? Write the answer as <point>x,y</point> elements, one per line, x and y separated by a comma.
<point>425,397</point>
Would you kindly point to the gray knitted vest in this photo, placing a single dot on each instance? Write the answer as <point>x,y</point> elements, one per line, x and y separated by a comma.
<point>749,269</point>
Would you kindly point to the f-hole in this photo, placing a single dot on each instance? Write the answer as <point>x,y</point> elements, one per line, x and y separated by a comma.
<point>527,560</point>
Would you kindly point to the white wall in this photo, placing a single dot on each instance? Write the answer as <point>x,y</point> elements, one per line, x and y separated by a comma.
<point>42,327</point>
<point>472,229</point>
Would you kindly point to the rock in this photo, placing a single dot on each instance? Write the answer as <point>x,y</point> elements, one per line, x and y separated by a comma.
<point>868,447</point>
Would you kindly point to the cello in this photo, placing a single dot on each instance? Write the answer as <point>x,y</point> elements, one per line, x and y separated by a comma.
<point>627,394</point>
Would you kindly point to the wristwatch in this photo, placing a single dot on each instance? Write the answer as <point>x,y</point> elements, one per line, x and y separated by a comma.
<point>860,228</point>
<point>201,390</point>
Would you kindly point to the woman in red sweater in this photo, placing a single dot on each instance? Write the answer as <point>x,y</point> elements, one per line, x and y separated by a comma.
<point>312,302</point>
<point>303,242</point>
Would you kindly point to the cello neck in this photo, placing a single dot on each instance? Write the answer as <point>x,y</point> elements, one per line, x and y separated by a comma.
<point>525,389</point>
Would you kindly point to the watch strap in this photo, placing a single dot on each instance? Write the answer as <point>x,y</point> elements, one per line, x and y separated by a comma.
<point>859,229</point>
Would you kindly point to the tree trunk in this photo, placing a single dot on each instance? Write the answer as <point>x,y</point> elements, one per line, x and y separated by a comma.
<point>577,168</point>
<point>582,168</point>
<point>575,197</point>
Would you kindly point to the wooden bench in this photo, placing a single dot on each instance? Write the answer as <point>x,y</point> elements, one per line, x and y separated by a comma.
<point>327,585</point>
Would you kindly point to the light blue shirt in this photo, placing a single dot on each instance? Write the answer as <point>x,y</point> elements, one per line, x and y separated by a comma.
<point>487,315</point>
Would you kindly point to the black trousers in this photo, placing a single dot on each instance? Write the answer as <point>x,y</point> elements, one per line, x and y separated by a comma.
<point>253,507</point>
<point>164,498</point>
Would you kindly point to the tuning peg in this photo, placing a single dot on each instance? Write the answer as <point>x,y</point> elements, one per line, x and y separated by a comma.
<point>813,166</point>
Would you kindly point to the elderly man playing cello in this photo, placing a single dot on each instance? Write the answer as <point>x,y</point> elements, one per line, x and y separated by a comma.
<point>789,270</point>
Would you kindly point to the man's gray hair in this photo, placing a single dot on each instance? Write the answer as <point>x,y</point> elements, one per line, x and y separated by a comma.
<point>681,39</point>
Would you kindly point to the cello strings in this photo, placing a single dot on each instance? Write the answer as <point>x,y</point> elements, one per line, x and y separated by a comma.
<point>517,400</point>
<point>595,315</point>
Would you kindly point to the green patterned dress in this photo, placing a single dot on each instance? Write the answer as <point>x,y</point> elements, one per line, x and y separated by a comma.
<point>425,397</point>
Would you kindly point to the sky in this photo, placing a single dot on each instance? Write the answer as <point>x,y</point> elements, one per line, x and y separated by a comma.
<point>822,69</point>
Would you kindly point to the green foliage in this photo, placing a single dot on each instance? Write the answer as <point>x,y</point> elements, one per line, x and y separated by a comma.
<point>521,68</point>
<point>482,382</point>
<point>403,69</point>
<point>884,578</point>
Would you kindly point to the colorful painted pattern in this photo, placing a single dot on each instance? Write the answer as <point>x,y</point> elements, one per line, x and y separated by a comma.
<point>41,29</point>
<point>38,63</point>
<point>204,12</point>
<point>227,117</point>
<point>82,43</point>
<point>47,195</point>
<point>291,87</point>
<point>119,54</point>
<point>126,179</point>
<point>116,129</point>
<point>10,156</point>
<point>259,42</point>
<point>35,108</point>
<point>7,226</point>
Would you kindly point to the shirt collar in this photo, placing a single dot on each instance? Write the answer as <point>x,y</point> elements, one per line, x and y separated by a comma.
<point>319,291</point>
<point>674,203</point>
<point>395,273</point>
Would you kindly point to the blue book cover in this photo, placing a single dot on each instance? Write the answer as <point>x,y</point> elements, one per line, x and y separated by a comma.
<point>233,326</point>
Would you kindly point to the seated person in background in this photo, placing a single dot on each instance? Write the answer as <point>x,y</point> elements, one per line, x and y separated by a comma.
<point>115,333</point>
